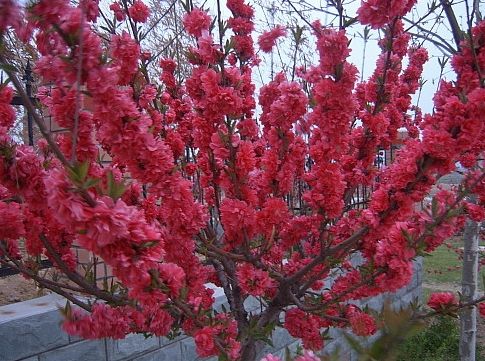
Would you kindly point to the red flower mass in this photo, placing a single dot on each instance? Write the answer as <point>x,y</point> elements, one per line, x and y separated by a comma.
<point>267,40</point>
<point>442,301</point>
<point>203,188</point>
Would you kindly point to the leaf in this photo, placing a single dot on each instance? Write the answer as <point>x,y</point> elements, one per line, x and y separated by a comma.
<point>223,357</point>
<point>407,236</point>
<point>350,21</point>
<point>5,83</point>
<point>66,311</point>
<point>148,244</point>
<point>8,68</point>
<point>89,183</point>
<point>115,189</point>
<point>78,172</point>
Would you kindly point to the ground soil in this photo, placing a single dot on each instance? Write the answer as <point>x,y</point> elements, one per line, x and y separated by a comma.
<point>16,288</point>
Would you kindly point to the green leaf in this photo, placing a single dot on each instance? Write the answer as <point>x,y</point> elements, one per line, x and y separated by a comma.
<point>79,172</point>
<point>350,21</point>
<point>8,68</point>
<point>67,308</point>
<point>148,244</point>
<point>89,183</point>
<point>115,189</point>
<point>407,236</point>
<point>66,311</point>
<point>223,357</point>
<point>5,83</point>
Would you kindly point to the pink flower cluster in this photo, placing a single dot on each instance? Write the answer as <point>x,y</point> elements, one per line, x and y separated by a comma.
<point>196,22</point>
<point>267,40</point>
<point>201,187</point>
<point>139,12</point>
<point>442,301</point>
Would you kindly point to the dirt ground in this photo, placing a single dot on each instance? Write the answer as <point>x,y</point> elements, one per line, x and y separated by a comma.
<point>16,288</point>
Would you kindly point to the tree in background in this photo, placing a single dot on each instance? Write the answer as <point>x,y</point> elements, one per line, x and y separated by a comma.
<point>212,191</point>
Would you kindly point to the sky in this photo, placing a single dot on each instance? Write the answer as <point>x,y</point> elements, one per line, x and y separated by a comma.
<point>431,73</point>
<point>265,19</point>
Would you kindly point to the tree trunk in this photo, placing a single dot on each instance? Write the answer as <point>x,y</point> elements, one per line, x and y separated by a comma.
<point>468,316</point>
<point>250,350</point>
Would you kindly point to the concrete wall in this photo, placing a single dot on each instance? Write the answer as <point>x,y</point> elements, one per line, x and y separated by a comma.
<point>30,331</point>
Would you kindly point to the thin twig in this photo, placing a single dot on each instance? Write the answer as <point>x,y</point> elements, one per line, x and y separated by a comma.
<point>77,109</point>
<point>31,108</point>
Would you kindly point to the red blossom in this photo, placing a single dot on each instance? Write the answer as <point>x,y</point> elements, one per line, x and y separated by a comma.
<point>267,40</point>
<point>476,212</point>
<point>254,281</point>
<point>481,309</point>
<point>361,323</point>
<point>264,198</point>
<point>442,301</point>
<point>118,11</point>
<point>139,11</point>
<point>378,13</point>
<point>9,14</point>
<point>196,22</point>
<point>204,341</point>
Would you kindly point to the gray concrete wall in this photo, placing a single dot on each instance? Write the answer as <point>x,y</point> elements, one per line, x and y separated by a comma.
<point>30,331</point>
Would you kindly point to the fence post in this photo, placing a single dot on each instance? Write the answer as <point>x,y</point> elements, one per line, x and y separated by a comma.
<point>28,79</point>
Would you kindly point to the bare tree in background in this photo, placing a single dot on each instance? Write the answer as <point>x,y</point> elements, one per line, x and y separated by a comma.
<point>166,38</point>
<point>19,55</point>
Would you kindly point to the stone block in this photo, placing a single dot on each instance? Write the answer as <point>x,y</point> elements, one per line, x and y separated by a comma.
<point>27,336</point>
<point>165,341</point>
<point>170,352</point>
<point>80,351</point>
<point>335,333</point>
<point>251,304</point>
<point>132,345</point>
<point>418,293</point>
<point>187,346</point>
<point>281,338</point>
<point>292,347</point>
<point>399,293</point>
<point>406,299</point>
<point>375,303</point>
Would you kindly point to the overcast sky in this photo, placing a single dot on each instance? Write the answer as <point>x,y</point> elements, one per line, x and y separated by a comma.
<point>431,72</point>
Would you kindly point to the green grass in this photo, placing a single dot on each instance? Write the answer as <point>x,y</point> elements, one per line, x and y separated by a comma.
<point>444,264</point>
<point>440,266</point>
<point>444,268</point>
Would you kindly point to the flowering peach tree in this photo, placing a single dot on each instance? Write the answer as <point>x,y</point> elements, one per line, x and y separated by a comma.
<point>201,184</point>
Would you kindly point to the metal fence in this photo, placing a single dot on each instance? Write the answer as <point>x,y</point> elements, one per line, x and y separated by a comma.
<point>28,80</point>
<point>358,200</point>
